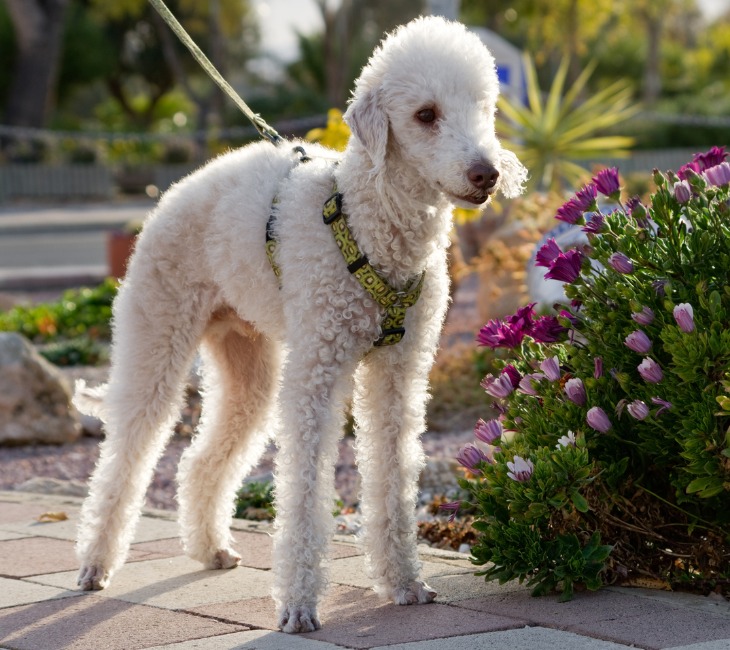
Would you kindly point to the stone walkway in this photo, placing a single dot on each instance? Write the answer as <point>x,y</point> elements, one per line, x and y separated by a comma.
<point>161,599</point>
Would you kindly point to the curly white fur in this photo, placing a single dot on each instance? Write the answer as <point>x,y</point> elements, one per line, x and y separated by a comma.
<point>200,275</point>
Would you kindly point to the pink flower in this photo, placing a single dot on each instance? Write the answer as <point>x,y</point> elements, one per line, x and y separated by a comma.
<point>650,371</point>
<point>547,253</point>
<point>662,403</point>
<point>607,183</point>
<point>566,266</point>
<point>547,329</point>
<point>496,334</point>
<point>452,506</point>
<point>585,198</point>
<point>643,317</point>
<point>520,469</point>
<point>570,212</point>
<point>526,386</point>
<point>620,263</point>
<point>470,456</point>
<point>711,158</point>
<point>498,387</point>
<point>638,409</point>
<point>551,368</point>
<point>598,420</point>
<point>684,315</point>
<point>488,432</point>
<point>513,374</point>
<point>638,342</point>
<point>682,191</point>
<point>719,175</point>
<point>594,225</point>
<point>597,367</point>
<point>576,391</point>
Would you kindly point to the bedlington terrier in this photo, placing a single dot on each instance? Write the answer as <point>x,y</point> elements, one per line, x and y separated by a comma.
<point>281,353</point>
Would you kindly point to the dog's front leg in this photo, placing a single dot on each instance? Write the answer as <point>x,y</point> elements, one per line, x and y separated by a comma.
<point>316,377</point>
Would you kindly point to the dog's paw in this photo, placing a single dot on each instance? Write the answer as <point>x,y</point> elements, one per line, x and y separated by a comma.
<point>414,593</point>
<point>225,559</point>
<point>92,578</point>
<point>298,618</point>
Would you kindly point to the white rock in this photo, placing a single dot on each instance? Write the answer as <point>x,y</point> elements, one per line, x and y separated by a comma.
<point>35,398</point>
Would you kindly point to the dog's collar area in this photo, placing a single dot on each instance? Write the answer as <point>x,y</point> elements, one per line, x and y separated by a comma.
<point>394,303</point>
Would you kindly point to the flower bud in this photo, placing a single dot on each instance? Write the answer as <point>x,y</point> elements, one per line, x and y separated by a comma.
<point>620,263</point>
<point>682,191</point>
<point>575,390</point>
<point>638,342</point>
<point>684,315</point>
<point>598,420</point>
<point>638,409</point>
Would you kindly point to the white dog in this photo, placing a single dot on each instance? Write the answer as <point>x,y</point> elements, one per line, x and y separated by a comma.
<point>422,118</point>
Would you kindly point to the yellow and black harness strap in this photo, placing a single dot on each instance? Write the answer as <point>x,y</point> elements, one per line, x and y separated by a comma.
<point>395,303</point>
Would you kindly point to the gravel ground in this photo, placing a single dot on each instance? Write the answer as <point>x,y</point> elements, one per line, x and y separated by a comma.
<point>75,462</point>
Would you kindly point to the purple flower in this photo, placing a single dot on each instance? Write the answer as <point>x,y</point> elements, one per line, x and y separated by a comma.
<point>520,469</point>
<point>566,266</point>
<point>638,409</point>
<point>607,183</point>
<point>682,191</point>
<point>513,374</point>
<point>585,198</point>
<point>684,315</point>
<point>598,420</point>
<point>643,317</point>
<point>526,386</point>
<point>488,431</point>
<point>594,225</point>
<point>570,212</point>
<point>576,391</point>
<point>522,318</point>
<point>620,263</point>
<point>638,342</point>
<point>496,334</point>
<point>470,456</point>
<point>718,175</point>
<point>597,367</point>
<point>686,171</point>
<point>650,371</point>
<point>660,287</point>
<point>709,159</point>
<point>662,403</point>
<point>547,329</point>
<point>551,368</point>
<point>566,441</point>
<point>452,506</point>
<point>638,211</point>
<point>547,253</point>
<point>498,387</point>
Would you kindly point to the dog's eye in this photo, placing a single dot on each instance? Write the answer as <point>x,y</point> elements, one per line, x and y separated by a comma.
<point>426,115</point>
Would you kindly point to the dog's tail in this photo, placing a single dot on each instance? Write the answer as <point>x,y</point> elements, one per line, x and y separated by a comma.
<point>90,400</point>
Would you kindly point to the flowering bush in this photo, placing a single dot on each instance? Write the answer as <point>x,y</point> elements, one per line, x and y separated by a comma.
<point>610,460</point>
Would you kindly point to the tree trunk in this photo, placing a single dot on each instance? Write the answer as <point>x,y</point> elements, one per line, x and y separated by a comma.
<point>38,33</point>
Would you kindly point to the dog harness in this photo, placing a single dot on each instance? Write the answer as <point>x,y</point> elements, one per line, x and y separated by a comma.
<point>394,303</point>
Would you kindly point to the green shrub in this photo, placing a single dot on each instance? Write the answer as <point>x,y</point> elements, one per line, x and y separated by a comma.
<point>71,329</point>
<point>613,456</point>
<point>255,500</point>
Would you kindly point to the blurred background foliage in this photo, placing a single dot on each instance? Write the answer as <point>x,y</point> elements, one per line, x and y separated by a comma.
<point>113,66</point>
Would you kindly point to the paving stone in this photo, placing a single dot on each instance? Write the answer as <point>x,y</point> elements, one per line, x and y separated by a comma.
<point>5,535</point>
<point>175,583</point>
<point>723,644</point>
<point>40,555</point>
<point>91,623</point>
<point>252,640</point>
<point>530,638</point>
<point>467,586</point>
<point>610,615</point>
<point>351,571</point>
<point>20,592</point>
<point>148,528</point>
<point>712,604</point>
<point>12,513</point>
<point>357,618</point>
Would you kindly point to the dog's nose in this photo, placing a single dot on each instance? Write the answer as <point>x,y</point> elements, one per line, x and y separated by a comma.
<point>482,176</point>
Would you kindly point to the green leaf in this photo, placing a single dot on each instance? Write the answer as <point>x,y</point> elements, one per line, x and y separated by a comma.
<point>579,501</point>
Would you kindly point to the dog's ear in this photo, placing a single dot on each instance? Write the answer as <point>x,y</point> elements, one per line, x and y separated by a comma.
<point>369,124</point>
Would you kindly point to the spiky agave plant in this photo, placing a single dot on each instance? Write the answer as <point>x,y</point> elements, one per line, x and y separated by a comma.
<point>551,134</point>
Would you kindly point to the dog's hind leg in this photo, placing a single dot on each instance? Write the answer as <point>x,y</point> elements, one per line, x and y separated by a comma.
<point>156,331</point>
<point>241,369</point>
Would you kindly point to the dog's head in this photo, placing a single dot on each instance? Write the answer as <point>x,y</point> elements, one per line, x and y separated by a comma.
<point>428,95</point>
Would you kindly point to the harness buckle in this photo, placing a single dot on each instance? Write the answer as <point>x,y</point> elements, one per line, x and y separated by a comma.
<point>332,208</point>
<point>390,336</point>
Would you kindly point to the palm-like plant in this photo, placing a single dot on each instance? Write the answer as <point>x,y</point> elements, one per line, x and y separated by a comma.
<point>551,134</point>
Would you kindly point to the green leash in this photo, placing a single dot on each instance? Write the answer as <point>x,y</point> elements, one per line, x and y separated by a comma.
<point>261,126</point>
